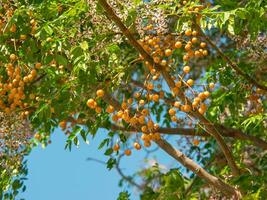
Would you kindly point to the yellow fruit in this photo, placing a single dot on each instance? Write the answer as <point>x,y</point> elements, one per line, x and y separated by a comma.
<point>194,40</point>
<point>188,32</point>
<point>168,52</point>
<point>203,44</point>
<point>23,37</point>
<point>196,142</point>
<point>178,45</point>
<point>190,82</point>
<point>194,33</point>
<point>144,129</point>
<point>211,85</point>
<point>137,146</point>
<point>147,143</point>
<point>172,111</point>
<point>90,103</point>
<point>110,109</point>
<point>127,152</point>
<point>38,65</point>
<point>116,147</point>
<point>186,69</point>
<point>98,109</point>
<point>177,104</point>
<point>13,57</point>
<point>155,97</point>
<point>100,93</point>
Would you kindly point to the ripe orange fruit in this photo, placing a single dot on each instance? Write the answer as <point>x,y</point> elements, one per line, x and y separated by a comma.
<point>137,95</point>
<point>156,59</point>
<point>187,47</point>
<point>190,82</point>
<point>156,127</point>
<point>201,111</point>
<point>144,129</point>
<point>142,119</point>
<point>196,142</point>
<point>202,96</point>
<point>38,65</point>
<point>163,63</point>
<point>207,94</point>
<point>91,103</point>
<point>127,152</point>
<point>205,52</point>
<point>13,57</point>
<point>150,86</point>
<point>168,52</point>
<point>194,40</point>
<point>188,32</point>
<point>147,143</point>
<point>174,118</point>
<point>116,147</point>
<point>63,125</point>
<point>194,33</point>
<point>100,93</point>
<point>186,108</point>
<point>177,104</point>
<point>115,118</point>
<point>37,136</point>
<point>145,137</point>
<point>172,111</point>
<point>178,84</point>
<point>203,44</point>
<point>211,85</point>
<point>155,97</point>
<point>178,45</point>
<point>186,69</point>
<point>110,109</point>
<point>142,102</point>
<point>137,146</point>
<point>98,109</point>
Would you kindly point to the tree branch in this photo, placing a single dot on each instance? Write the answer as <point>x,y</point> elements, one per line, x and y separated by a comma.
<point>210,128</point>
<point>228,60</point>
<point>225,188</point>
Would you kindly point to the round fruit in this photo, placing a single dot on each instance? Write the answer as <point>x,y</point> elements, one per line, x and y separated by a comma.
<point>178,45</point>
<point>168,52</point>
<point>127,152</point>
<point>190,82</point>
<point>116,147</point>
<point>91,103</point>
<point>177,104</point>
<point>186,69</point>
<point>147,143</point>
<point>188,32</point>
<point>203,44</point>
<point>172,112</point>
<point>137,146</point>
<point>211,85</point>
<point>110,109</point>
<point>13,57</point>
<point>100,93</point>
<point>196,142</point>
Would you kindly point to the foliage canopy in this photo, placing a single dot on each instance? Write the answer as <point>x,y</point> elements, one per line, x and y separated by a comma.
<point>193,70</point>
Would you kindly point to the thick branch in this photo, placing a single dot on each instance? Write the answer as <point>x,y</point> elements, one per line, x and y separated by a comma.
<point>199,171</point>
<point>210,128</point>
<point>231,64</point>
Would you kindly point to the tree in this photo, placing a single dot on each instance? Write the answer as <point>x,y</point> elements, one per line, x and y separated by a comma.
<point>192,70</point>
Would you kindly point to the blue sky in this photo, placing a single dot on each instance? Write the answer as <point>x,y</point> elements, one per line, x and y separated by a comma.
<point>57,174</point>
